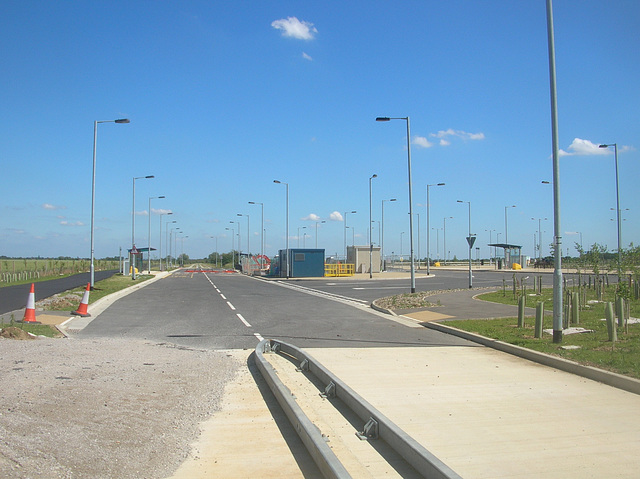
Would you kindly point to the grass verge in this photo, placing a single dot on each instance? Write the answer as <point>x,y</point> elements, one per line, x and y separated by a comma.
<point>69,301</point>
<point>591,349</point>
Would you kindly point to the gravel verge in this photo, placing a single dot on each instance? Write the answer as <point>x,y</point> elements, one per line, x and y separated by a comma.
<point>104,408</point>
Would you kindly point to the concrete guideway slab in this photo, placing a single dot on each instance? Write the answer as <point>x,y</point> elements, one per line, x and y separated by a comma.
<point>487,414</point>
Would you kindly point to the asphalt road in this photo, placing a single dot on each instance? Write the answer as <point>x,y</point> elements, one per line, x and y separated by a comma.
<point>233,311</point>
<point>15,297</point>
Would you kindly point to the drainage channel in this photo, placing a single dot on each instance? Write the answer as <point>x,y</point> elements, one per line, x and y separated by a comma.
<point>345,435</point>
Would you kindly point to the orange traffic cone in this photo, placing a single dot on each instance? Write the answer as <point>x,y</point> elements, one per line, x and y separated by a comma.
<point>30,311</point>
<point>82,309</point>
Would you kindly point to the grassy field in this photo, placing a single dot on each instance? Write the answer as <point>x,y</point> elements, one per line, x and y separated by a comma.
<point>593,348</point>
<point>20,271</point>
<point>69,301</point>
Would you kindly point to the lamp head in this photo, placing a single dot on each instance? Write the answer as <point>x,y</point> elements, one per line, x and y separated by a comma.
<point>276,181</point>
<point>123,120</point>
<point>150,176</point>
<point>383,118</point>
<point>440,184</point>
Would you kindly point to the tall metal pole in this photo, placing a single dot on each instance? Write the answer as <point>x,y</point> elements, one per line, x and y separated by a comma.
<point>261,232</point>
<point>133,225</point>
<point>287,232</point>
<point>557,256</point>
<point>370,239</point>
<point>618,212</point>
<point>93,192</point>
<point>428,230</point>
<point>413,269</point>
<point>149,235</point>
<point>160,236</point>
<point>470,242</point>
<point>384,268</point>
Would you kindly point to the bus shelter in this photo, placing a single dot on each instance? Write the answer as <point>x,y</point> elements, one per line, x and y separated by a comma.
<point>512,253</point>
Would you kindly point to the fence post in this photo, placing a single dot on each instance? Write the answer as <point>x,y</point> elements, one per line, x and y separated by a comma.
<point>539,319</point>
<point>611,322</point>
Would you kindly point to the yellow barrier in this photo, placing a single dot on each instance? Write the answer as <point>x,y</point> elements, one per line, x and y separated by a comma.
<point>339,269</point>
<point>516,266</point>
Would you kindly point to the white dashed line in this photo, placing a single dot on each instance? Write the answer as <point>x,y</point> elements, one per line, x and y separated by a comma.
<point>260,338</point>
<point>243,320</point>
<point>231,305</point>
<point>223,296</point>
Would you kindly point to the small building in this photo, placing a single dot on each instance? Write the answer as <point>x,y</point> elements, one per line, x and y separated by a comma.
<point>305,263</point>
<point>359,257</point>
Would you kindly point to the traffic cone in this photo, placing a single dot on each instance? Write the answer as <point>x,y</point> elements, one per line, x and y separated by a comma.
<point>82,309</point>
<point>30,311</point>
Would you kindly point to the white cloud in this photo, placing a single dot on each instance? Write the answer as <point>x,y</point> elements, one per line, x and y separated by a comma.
<point>307,57</point>
<point>160,211</point>
<point>48,206</point>
<point>422,142</point>
<point>580,147</point>
<point>294,28</point>
<point>336,216</point>
<point>311,217</point>
<point>71,223</point>
<point>444,136</point>
<point>142,213</point>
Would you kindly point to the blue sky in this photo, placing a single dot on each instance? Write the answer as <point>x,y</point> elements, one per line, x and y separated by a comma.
<point>225,97</point>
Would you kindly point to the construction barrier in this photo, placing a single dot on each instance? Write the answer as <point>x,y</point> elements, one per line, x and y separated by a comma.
<point>339,269</point>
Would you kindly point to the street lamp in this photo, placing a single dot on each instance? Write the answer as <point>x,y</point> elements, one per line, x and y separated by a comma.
<point>287,237</point>
<point>233,252</point>
<point>345,233</point>
<point>370,239</point>
<point>413,272</point>
<point>506,231</point>
<point>149,236</point>
<point>491,241</point>
<point>444,237</point>
<point>539,235</point>
<point>160,237</point>
<point>470,240</point>
<point>401,233</point>
<point>428,230</point>
<point>261,233</point>
<point>300,227</point>
<point>93,188</point>
<point>133,225</point>
<point>166,237</point>
<point>615,151</point>
<point>317,223</point>
<point>182,254</point>
<point>217,255</point>
<point>248,243</point>
<point>384,266</point>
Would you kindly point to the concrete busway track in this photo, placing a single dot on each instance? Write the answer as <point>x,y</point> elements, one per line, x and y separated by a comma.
<point>376,447</point>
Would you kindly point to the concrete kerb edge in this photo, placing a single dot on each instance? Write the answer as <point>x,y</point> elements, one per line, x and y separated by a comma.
<point>95,309</point>
<point>414,453</point>
<point>310,435</point>
<point>606,377</point>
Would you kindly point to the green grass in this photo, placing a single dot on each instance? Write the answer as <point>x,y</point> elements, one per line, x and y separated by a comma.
<point>102,288</point>
<point>595,349</point>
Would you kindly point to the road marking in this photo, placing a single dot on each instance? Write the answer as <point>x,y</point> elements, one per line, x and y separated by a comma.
<point>260,338</point>
<point>231,305</point>
<point>223,296</point>
<point>246,323</point>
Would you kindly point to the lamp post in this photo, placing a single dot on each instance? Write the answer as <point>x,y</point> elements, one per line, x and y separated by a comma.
<point>233,252</point>
<point>413,272</point>
<point>166,237</point>
<point>401,233</point>
<point>287,232</point>
<point>428,230</point>
<point>345,233</point>
<point>217,255</point>
<point>299,228</point>
<point>182,254</point>
<point>470,240</point>
<point>149,236</point>
<point>444,237</point>
<point>384,266</point>
<point>317,223</point>
<point>615,151</point>
<point>539,235</point>
<point>490,241</point>
<point>93,188</point>
<point>133,225</point>
<point>370,239</point>
<point>506,230</point>
<point>248,243</point>
<point>160,238</point>
<point>261,232</point>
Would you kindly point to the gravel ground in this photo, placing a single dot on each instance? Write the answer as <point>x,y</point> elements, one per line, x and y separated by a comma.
<point>104,408</point>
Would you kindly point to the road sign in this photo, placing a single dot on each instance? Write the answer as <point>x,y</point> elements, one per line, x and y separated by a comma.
<point>471,240</point>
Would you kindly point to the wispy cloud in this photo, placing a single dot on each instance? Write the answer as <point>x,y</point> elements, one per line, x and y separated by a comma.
<point>49,206</point>
<point>580,147</point>
<point>421,142</point>
<point>160,211</point>
<point>71,223</point>
<point>293,28</point>
<point>336,216</point>
<point>445,135</point>
<point>311,217</point>
<point>307,57</point>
